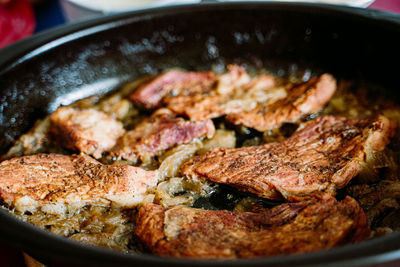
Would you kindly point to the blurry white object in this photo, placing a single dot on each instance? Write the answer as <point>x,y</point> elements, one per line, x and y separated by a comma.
<point>125,5</point>
<point>354,3</point>
<point>80,9</point>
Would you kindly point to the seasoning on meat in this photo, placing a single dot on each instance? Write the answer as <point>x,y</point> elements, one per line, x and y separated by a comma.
<point>257,103</point>
<point>56,183</point>
<point>289,228</point>
<point>163,130</point>
<point>301,99</point>
<point>234,92</point>
<point>172,82</point>
<point>323,155</point>
<point>85,130</point>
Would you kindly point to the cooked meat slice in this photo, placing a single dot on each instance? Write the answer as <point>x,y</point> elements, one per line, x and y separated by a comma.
<point>197,107</point>
<point>163,130</point>
<point>85,130</point>
<point>288,228</point>
<point>56,182</point>
<point>203,95</point>
<point>172,82</point>
<point>256,103</point>
<point>323,155</point>
<point>302,99</point>
<point>234,92</point>
<point>235,77</point>
<point>34,141</point>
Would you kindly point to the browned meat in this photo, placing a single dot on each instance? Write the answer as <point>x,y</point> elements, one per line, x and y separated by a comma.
<point>323,155</point>
<point>288,228</point>
<point>56,182</point>
<point>256,103</point>
<point>201,95</point>
<point>172,82</point>
<point>235,91</point>
<point>85,130</point>
<point>302,99</point>
<point>163,130</point>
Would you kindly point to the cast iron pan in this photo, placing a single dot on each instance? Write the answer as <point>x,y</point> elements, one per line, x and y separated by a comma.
<point>59,66</point>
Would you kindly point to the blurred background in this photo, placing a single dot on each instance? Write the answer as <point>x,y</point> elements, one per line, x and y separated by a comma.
<point>22,18</point>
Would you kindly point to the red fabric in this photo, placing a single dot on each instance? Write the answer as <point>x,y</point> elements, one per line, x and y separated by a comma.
<point>387,5</point>
<point>17,21</point>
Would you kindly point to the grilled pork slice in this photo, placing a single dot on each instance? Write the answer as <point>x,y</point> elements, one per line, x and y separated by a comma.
<point>85,130</point>
<point>300,100</point>
<point>288,228</point>
<point>323,155</point>
<point>57,183</point>
<point>241,95</point>
<point>234,92</point>
<point>150,95</point>
<point>163,130</point>
<point>204,95</point>
<point>256,103</point>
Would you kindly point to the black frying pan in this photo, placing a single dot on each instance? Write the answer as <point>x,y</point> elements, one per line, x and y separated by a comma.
<point>59,66</point>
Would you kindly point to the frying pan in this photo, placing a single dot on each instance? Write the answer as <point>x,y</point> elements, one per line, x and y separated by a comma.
<point>59,66</point>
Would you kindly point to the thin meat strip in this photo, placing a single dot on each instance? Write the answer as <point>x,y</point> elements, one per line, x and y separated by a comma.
<point>322,156</point>
<point>300,100</point>
<point>230,93</point>
<point>85,130</point>
<point>172,82</point>
<point>288,228</point>
<point>163,130</point>
<point>205,95</point>
<point>57,183</point>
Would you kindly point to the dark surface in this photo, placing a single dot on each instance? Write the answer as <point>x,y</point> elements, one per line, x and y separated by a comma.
<point>11,257</point>
<point>64,64</point>
<point>48,15</point>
